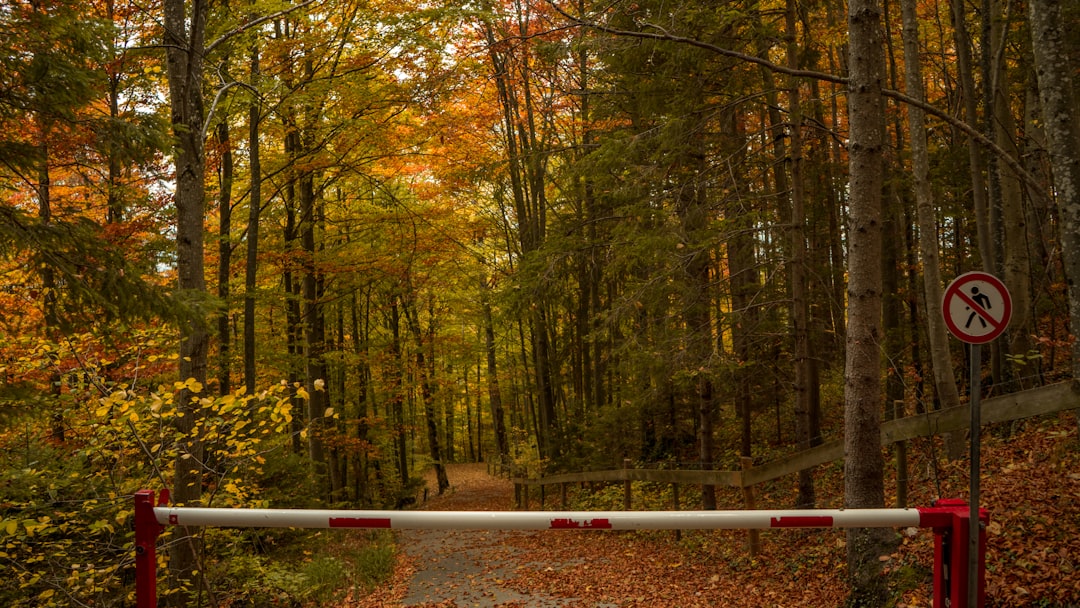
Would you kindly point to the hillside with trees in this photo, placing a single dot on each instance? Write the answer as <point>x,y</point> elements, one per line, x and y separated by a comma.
<point>299,253</point>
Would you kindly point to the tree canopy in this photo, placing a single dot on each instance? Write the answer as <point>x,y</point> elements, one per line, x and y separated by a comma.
<point>550,234</point>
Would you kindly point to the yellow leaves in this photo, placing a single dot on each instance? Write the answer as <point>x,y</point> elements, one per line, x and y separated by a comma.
<point>228,403</point>
<point>191,384</point>
<point>10,527</point>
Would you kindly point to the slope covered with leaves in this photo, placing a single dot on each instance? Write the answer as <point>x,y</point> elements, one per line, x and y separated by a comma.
<point>1030,485</point>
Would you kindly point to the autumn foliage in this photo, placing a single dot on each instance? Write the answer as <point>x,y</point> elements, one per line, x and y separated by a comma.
<point>306,253</point>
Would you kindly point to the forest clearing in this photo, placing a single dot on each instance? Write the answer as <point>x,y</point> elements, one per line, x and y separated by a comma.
<point>308,253</point>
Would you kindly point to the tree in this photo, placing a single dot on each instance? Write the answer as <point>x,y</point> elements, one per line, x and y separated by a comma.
<point>944,379</point>
<point>185,50</point>
<point>864,485</point>
<point>1062,127</point>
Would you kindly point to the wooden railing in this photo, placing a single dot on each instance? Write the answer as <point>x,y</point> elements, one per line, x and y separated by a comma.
<point>1015,406</point>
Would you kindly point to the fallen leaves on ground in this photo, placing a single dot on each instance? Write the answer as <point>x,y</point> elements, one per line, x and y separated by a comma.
<point>1030,486</point>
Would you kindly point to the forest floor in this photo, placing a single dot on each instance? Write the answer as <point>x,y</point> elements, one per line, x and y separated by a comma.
<point>1030,484</point>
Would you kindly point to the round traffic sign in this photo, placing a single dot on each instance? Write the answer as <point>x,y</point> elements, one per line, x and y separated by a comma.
<point>977,307</point>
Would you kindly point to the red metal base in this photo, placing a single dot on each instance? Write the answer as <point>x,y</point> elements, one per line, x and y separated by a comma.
<point>950,519</point>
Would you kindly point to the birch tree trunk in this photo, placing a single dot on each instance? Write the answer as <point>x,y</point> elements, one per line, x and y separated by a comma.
<point>1062,129</point>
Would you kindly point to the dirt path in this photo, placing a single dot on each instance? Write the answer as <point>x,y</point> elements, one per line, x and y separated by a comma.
<point>474,569</point>
<point>595,568</point>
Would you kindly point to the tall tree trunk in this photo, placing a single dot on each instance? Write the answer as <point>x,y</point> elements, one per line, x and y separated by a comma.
<point>363,378</point>
<point>397,393</point>
<point>864,466</point>
<point>48,280</point>
<point>498,417</point>
<point>1057,97</point>
<point>976,161</point>
<point>251,265</point>
<point>294,330</point>
<point>426,392</point>
<point>800,309</point>
<point>314,334</point>
<point>225,249</point>
<point>941,361</point>
<point>184,42</point>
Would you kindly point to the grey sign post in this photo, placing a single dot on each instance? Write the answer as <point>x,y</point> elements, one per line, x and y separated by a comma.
<point>977,309</point>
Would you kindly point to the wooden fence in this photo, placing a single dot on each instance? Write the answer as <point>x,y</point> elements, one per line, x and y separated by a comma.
<point>1015,406</point>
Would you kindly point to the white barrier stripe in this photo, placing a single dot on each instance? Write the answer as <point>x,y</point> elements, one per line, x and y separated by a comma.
<point>538,520</point>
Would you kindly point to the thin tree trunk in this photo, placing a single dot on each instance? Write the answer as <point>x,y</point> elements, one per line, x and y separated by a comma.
<point>363,378</point>
<point>225,249</point>
<point>940,359</point>
<point>397,393</point>
<point>426,393</point>
<point>800,309</point>
<point>498,417</point>
<point>254,210</point>
<point>976,161</point>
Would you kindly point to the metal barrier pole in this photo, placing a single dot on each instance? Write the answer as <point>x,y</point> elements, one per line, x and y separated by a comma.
<point>949,519</point>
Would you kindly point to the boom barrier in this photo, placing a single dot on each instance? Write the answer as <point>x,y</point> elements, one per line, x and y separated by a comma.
<point>948,519</point>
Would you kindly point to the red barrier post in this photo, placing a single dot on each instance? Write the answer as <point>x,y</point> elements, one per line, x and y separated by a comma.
<point>949,519</point>
<point>147,530</point>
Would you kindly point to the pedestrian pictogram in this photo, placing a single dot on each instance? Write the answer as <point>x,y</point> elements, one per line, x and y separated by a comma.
<point>977,307</point>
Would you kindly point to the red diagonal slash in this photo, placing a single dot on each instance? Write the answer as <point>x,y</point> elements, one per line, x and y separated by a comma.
<point>979,310</point>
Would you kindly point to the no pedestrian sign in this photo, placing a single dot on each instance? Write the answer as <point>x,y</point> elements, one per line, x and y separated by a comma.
<point>977,307</point>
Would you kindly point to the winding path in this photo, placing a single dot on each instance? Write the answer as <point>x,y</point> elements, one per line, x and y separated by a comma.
<point>470,568</point>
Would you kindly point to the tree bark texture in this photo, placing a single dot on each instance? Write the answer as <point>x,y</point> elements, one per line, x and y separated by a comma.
<point>1062,128</point>
<point>863,462</point>
<point>184,41</point>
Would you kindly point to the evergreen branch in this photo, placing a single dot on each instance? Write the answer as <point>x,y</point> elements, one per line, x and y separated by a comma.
<point>1035,187</point>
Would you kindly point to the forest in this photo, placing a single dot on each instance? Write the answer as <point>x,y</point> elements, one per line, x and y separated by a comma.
<point>296,253</point>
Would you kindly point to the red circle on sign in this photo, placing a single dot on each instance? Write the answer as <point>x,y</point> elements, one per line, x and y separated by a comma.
<point>976,307</point>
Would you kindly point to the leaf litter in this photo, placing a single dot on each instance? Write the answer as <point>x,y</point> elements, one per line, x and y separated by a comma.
<point>1029,485</point>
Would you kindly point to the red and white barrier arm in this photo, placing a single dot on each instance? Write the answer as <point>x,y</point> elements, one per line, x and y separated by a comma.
<point>541,520</point>
<point>949,519</point>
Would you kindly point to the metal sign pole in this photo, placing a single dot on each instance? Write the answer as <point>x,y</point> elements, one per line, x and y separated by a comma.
<point>976,468</point>
<point>977,308</point>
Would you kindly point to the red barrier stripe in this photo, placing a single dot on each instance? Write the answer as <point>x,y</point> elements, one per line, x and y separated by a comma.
<point>587,524</point>
<point>359,522</point>
<point>808,521</point>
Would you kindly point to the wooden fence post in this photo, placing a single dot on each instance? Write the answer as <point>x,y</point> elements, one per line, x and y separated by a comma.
<point>750,503</point>
<point>627,485</point>
<point>675,506</point>
<point>900,453</point>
